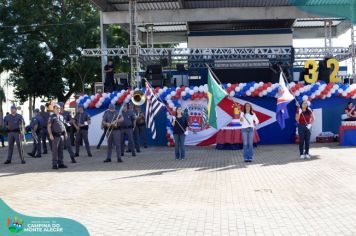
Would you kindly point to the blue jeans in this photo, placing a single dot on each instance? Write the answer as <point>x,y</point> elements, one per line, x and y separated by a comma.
<point>247,137</point>
<point>179,146</point>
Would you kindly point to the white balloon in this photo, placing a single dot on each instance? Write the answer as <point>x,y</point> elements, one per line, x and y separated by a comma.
<point>292,84</point>
<point>344,94</point>
<point>232,93</point>
<point>312,96</point>
<point>187,89</point>
<point>229,85</point>
<point>260,83</point>
<point>340,90</point>
<point>165,89</point>
<point>184,93</point>
<point>237,89</point>
<point>98,105</point>
<point>168,97</point>
<point>297,93</point>
<point>160,91</point>
<point>201,88</point>
<point>191,92</point>
<point>269,89</point>
<point>101,100</point>
<point>317,93</point>
<point>113,101</point>
<point>206,89</point>
<point>173,93</point>
<point>248,93</point>
<point>329,95</point>
<point>196,89</point>
<point>264,93</point>
<point>256,85</point>
<point>92,97</point>
<point>305,98</point>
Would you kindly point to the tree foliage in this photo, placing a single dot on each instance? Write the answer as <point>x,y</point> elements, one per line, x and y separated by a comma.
<point>41,42</point>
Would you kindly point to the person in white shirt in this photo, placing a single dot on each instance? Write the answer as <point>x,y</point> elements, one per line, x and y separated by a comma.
<point>248,121</point>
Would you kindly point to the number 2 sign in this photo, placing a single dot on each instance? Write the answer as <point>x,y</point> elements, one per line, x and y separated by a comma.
<point>312,67</point>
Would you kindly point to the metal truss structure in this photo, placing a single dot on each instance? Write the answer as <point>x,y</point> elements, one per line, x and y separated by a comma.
<point>248,57</point>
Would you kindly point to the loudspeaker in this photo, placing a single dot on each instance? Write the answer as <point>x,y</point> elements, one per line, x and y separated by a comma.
<point>180,67</point>
<point>164,62</point>
<point>324,72</point>
<point>153,69</point>
<point>98,87</point>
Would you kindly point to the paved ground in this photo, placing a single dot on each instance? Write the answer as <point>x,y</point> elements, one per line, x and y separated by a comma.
<point>211,193</point>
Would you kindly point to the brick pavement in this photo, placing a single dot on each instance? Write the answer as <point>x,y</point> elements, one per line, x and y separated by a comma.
<point>211,193</point>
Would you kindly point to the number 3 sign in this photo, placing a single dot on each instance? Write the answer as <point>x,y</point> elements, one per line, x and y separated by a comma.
<point>312,75</point>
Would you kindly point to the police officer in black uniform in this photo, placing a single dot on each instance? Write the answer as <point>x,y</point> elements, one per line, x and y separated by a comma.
<point>82,122</point>
<point>44,132</point>
<point>36,126</point>
<point>126,127</point>
<point>140,128</point>
<point>57,134</point>
<point>14,124</point>
<point>68,124</point>
<point>111,120</point>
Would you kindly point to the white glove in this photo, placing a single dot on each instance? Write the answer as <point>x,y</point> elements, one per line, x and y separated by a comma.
<point>309,126</point>
<point>186,132</point>
<point>173,118</point>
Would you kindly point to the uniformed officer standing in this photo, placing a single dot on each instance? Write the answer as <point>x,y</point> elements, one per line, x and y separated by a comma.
<point>82,122</point>
<point>127,128</point>
<point>36,126</point>
<point>111,120</point>
<point>44,132</point>
<point>14,124</point>
<point>140,128</point>
<point>57,134</point>
<point>68,124</point>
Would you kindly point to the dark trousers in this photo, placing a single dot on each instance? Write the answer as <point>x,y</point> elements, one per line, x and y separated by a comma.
<point>114,139</point>
<point>136,138</point>
<point>12,138</point>
<point>102,138</point>
<point>140,132</point>
<point>36,149</point>
<point>304,139</point>
<point>82,134</point>
<point>68,145</point>
<point>129,133</point>
<point>44,137</point>
<point>2,140</point>
<point>57,150</point>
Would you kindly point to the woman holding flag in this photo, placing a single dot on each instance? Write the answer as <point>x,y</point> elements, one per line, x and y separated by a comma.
<point>304,117</point>
<point>180,130</point>
<point>248,121</point>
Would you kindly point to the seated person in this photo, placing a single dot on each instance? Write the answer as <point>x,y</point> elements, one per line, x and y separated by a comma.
<point>350,113</point>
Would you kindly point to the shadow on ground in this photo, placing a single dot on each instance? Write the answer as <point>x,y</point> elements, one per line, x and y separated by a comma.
<point>161,160</point>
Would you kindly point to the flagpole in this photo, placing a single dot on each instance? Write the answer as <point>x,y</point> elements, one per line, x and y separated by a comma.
<point>217,79</point>
<point>287,85</point>
<point>152,89</point>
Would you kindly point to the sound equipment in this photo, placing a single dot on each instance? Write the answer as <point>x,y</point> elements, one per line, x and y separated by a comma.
<point>324,72</point>
<point>180,67</point>
<point>98,87</point>
<point>164,62</point>
<point>153,70</point>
